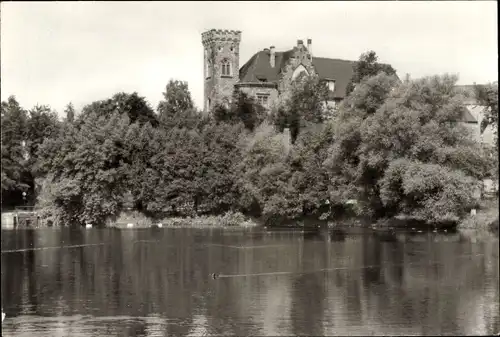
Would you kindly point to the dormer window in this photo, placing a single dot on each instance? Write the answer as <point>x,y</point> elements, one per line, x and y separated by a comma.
<point>331,85</point>
<point>226,68</point>
<point>261,78</point>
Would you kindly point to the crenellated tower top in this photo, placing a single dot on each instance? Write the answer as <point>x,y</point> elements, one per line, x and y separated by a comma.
<point>220,35</point>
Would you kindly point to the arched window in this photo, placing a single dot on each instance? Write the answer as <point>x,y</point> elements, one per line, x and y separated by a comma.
<point>226,68</point>
<point>299,72</point>
<point>208,68</point>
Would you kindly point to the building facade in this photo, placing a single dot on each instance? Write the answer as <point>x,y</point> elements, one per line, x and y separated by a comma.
<point>268,75</point>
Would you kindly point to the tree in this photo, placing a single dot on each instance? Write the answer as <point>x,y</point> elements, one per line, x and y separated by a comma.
<point>133,105</point>
<point>309,177</point>
<point>401,150</point>
<point>177,100</point>
<point>70,113</point>
<point>367,66</point>
<point>487,97</point>
<point>14,119</point>
<point>307,103</point>
<point>85,174</point>
<point>263,180</point>
<point>243,109</point>
<point>42,124</point>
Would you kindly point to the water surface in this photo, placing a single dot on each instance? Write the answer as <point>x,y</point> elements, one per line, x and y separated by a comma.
<point>158,282</point>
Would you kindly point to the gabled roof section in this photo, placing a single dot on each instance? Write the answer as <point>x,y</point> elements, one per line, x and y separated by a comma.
<point>335,69</point>
<point>467,117</point>
<point>258,69</point>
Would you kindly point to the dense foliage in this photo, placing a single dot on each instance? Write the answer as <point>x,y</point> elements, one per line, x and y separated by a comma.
<point>368,66</point>
<point>22,133</point>
<point>395,147</point>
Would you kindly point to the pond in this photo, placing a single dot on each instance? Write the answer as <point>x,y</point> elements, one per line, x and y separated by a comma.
<point>161,282</point>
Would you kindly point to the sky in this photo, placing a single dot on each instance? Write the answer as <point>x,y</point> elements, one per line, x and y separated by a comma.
<point>54,53</point>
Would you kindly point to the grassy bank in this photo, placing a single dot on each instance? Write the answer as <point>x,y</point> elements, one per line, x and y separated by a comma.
<point>138,220</point>
<point>486,217</point>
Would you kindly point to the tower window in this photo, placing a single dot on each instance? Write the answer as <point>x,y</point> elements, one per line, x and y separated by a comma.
<point>208,69</point>
<point>226,68</point>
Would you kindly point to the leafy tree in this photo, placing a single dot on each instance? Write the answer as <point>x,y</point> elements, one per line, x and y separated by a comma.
<point>70,113</point>
<point>134,106</point>
<point>387,128</point>
<point>263,182</point>
<point>84,168</point>
<point>14,119</point>
<point>367,66</point>
<point>243,109</point>
<point>42,124</point>
<point>217,175</point>
<point>487,96</point>
<point>309,177</point>
<point>175,169</point>
<point>177,99</point>
<point>309,99</point>
<point>306,104</point>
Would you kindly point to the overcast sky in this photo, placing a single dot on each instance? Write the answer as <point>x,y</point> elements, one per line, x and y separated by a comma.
<point>56,52</point>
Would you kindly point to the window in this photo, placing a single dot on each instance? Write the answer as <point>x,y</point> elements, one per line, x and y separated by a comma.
<point>226,68</point>
<point>263,99</point>
<point>208,68</point>
<point>331,86</point>
<point>300,70</point>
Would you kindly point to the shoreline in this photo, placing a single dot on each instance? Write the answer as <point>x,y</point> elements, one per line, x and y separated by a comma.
<point>485,219</point>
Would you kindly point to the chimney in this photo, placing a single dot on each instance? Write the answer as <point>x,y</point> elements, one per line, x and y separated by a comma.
<point>272,58</point>
<point>309,46</point>
<point>300,43</point>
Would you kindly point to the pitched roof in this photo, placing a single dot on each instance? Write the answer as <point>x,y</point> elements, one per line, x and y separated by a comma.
<point>339,70</point>
<point>258,69</point>
<point>467,116</point>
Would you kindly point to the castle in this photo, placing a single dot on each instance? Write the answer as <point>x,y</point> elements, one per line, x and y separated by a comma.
<point>267,76</point>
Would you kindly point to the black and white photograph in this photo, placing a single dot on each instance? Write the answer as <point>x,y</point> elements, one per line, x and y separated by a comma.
<point>249,168</point>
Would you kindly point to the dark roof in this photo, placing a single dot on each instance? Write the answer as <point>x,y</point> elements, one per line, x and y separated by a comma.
<point>258,69</point>
<point>467,116</point>
<point>339,70</point>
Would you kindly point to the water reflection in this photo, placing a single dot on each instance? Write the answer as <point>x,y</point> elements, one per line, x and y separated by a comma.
<point>156,282</point>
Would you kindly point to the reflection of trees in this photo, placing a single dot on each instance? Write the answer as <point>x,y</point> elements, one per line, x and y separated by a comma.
<point>170,278</point>
<point>309,292</point>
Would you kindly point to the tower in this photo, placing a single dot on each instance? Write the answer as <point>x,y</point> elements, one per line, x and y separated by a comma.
<point>221,66</point>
